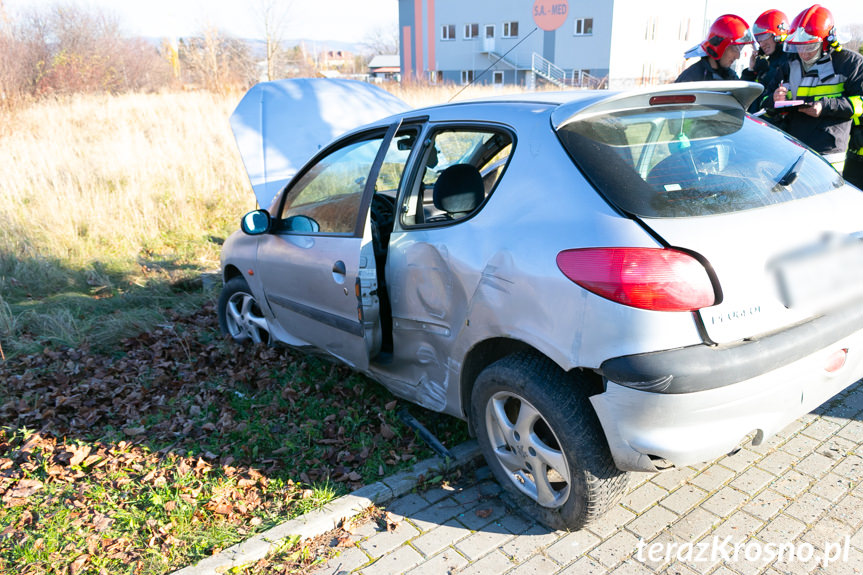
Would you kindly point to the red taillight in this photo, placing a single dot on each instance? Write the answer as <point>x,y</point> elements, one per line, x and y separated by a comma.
<point>646,278</point>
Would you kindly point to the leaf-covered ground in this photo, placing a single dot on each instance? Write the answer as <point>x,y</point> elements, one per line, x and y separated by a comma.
<point>179,444</point>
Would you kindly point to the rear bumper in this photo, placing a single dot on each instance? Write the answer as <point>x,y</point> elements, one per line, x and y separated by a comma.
<point>687,428</point>
<point>702,367</point>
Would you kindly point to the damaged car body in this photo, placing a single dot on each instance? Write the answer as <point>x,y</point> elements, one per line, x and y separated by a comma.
<point>597,282</point>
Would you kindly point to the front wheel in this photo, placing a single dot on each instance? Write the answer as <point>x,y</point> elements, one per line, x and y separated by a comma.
<point>240,315</point>
<point>543,441</point>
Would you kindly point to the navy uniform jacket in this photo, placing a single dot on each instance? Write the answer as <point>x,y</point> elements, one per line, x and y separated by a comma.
<point>701,71</point>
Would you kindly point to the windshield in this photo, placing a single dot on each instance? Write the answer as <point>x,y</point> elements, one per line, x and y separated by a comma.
<point>693,161</point>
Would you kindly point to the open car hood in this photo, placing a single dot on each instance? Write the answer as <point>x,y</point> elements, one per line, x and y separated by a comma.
<point>280,125</point>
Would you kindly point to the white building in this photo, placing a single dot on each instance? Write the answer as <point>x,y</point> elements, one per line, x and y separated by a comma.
<point>608,43</point>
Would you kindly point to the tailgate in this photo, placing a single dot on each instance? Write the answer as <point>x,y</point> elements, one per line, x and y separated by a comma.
<point>776,266</point>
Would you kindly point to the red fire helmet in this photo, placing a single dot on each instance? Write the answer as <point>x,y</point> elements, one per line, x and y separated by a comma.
<point>812,26</point>
<point>771,22</point>
<point>727,30</point>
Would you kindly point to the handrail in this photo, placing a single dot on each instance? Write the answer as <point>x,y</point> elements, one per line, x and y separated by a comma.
<point>548,70</point>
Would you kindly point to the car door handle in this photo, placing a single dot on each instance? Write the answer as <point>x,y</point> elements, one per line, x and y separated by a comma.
<point>340,270</point>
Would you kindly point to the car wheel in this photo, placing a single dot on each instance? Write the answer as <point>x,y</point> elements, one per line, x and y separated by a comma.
<point>543,441</point>
<point>240,315</point>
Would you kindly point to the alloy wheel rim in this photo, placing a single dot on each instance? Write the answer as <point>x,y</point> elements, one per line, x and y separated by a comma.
<point>245,320</point>
<point>527,448</point>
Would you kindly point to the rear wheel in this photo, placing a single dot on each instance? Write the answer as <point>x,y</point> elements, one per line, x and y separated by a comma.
<point>240,315</point>
<point>543,441</point>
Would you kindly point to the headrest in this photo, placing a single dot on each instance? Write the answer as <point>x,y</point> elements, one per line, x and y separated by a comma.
<point>458,189</point>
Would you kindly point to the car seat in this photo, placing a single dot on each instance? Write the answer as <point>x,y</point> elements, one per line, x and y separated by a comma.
<point>458,190</point>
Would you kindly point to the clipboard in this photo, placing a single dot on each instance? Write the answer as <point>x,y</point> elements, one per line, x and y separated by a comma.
<point>790,104</point>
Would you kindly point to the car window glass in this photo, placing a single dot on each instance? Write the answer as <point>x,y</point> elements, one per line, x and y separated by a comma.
<point>459,169</point>
<point>693,161</point>
<point>327,198</point>
<point>394,162</point>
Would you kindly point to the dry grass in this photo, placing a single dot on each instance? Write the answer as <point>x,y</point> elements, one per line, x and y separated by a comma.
<point>102,177</point>
<point>106,202</point>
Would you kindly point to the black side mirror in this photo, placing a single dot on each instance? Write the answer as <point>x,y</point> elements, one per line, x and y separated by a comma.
<point>256,223</point>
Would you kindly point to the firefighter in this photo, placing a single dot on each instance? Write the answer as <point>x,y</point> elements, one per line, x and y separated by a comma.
<point>719,50</point>
<point>828,79</point>
<point>769,65</point>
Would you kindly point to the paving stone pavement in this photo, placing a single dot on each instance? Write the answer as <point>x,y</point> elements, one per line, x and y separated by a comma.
<point>792,505</point>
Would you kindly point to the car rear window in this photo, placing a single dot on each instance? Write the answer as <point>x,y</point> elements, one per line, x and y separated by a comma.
<point>692,161</point>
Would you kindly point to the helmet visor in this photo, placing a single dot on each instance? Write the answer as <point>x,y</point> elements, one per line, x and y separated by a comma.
<point>758,30</point>
<point>746,38</point>
<point>802,41</point>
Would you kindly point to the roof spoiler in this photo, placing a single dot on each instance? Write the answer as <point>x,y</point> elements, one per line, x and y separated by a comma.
<point>739,92</point>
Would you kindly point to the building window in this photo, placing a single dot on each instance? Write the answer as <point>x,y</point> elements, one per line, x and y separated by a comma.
<point>489,30</point>
<point>466,76</point>
<point>447,32</point>
<point>435,76</point>
<point>583,26</point>
<point>497,77</point>
<point>471,31</point>
<point>510,29</point>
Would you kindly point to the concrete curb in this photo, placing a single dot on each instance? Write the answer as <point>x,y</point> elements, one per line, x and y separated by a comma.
<point>331,515</point>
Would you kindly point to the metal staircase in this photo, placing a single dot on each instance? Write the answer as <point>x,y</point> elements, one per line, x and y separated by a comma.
<point>495,57</point>
<point>548,71</point>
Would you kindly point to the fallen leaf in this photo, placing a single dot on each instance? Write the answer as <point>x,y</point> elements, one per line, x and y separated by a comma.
<point>386,431</point>
<point>101,522</point>
<point>483,513</point>
<point>79,454</point>
<point>24,489</point>
<point>78,563</point>
<point>134,431</point>
<point>221,508</point>
<point>392,521</point>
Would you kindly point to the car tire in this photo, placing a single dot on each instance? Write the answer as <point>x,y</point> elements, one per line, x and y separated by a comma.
<point>531,415</point>
<point>240,316</point>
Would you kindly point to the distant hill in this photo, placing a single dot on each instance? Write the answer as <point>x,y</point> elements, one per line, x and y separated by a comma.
<point>258,47</point>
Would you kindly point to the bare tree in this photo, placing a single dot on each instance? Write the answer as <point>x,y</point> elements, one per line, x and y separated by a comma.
<point>64,48</point>
<point>216,61</point>
<point>381,41</point>
<point>273,15</point>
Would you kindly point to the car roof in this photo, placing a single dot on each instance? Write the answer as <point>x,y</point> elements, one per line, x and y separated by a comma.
<point>280,125</point>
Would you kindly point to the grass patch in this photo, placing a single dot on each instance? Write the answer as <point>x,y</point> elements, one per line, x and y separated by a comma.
<point>175,444</point>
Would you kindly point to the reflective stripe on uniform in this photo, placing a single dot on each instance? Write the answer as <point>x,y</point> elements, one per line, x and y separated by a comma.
<point>857,106</point>
<point>821,81</point>
<point>818,92</point>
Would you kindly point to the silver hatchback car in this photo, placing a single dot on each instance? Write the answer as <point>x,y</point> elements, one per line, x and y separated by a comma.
<point>598,282</point>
